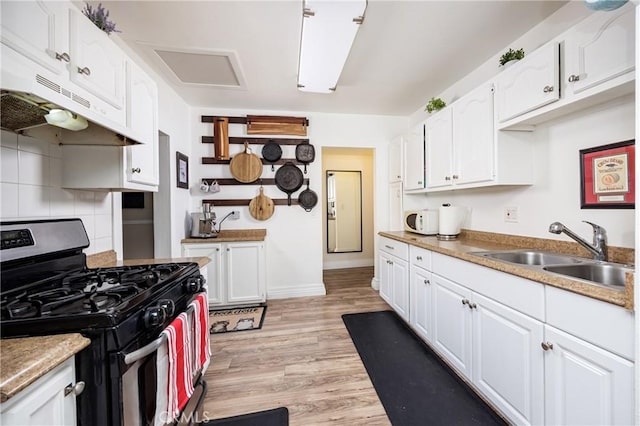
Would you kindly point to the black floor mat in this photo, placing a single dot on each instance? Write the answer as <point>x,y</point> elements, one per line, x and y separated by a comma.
<point>415,387</point>
<point>275,417</point>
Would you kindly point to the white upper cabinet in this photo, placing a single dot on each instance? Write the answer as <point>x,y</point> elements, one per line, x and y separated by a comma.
<point>473,137</point>
<point>97,63</point>
<point>598,49</point>
<point>395,160</point>
<point>414,160</point>
<point>438,131</point>
<point>530,83</point>
<point>39,31</point>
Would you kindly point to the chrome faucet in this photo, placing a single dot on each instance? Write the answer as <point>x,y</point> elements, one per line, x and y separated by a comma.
<point>599,246</point>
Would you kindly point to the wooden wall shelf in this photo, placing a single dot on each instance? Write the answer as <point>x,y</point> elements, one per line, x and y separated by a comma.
<point>212,160</point>
<point>245,202</point>
<point>234,120</point>
<point>232,181</point>
<point>258,141</point>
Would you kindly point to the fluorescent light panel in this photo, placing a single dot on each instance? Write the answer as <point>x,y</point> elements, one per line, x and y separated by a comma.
<point>327,37</point>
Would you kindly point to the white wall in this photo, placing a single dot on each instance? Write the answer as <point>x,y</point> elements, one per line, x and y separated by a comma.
<point>294,237</point>
<point>30,186</point>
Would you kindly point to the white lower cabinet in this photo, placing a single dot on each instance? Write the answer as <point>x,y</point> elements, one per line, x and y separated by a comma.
<point>50,400</point>
<point>538,354</point>
<point>584,384</point>
<point>236,274</point>
<point>394,275</point>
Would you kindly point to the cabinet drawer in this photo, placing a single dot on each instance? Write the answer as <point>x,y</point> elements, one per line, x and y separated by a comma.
<point>603,324</point>
<point>395,248</point>
<point>420,257</point>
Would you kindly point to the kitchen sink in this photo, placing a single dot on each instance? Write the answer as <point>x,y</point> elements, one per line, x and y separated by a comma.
<point>602,273</point>
<point>530,257</point>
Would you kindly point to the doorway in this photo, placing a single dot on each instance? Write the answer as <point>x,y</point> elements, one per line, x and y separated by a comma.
<point>357,162</point>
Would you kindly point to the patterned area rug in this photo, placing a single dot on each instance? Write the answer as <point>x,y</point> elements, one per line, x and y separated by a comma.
<point>237,319</point>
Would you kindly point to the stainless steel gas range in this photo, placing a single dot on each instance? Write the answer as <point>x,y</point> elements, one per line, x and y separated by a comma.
<point>46,288</point>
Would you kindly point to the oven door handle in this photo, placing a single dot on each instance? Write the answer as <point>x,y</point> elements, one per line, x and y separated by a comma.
<point>150,348</point>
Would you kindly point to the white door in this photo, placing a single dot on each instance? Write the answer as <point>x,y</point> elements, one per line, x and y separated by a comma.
<point>421,303</point>
<point>508,363</point>
<point>97,64</point>
<point>384,264</point>
<point>39,31</point>
<point>584,384</point>
<point>439,151</point>
<point>473,137</point>
<point>530,83</point>
<point>452,323</point>
<point>400,284</point>
<point>414,161</point>
<point>599,49</point>
<point>245,272</point>
<point>214,268</point>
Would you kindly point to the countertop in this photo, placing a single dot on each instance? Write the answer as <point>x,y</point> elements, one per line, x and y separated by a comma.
<point>26,359</point>
<point>470,241</point>
<point>231,235</point>
<point>107,259</point>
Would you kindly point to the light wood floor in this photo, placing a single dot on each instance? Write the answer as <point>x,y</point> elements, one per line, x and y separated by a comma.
<point>302,358</point>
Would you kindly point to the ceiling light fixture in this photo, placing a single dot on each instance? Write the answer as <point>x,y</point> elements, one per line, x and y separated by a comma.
<point>328,30</point>
<point>66,120</point>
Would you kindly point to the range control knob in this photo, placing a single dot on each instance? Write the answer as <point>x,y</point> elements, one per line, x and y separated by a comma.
<point>168,307</point>
<point>154,316</point>
<point>194,284</point>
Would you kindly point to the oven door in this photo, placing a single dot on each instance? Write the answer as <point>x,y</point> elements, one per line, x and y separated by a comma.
<point>144,385</point>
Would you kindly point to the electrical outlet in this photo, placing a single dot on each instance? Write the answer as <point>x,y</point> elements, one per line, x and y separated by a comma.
<point>511,214</point>
<point>235,214</point>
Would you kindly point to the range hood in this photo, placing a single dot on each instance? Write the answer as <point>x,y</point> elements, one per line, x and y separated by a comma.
<point>25,113</point>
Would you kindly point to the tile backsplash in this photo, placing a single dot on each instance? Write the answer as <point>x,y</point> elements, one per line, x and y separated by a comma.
<point>30,188</point>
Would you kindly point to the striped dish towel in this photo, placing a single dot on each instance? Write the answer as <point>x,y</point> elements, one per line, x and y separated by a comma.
<point>179,374</point>
<point>201,348</point>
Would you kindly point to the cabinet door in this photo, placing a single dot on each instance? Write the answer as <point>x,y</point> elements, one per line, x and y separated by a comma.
<point>414,161</point>
<point>44,402</point>
<point>452,323</point>
<point>585,385</point>
<point>439,150</point>
<point>142,111</point>
<point>400,284</point>
<point>245,272</point>
<point>38,30</point>
<point>473,137</point>
<point>384,264</point>
<point>508,363</point>
<point>599,49</point>
<point>530,83</point>
<point>97,64</point>
<point>395,160</point>
<point>421,303</point>
<point>396,214</point>
<point>214,268</point>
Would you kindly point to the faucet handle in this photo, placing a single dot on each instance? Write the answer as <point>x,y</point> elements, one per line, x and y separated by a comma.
<point>599,233</point>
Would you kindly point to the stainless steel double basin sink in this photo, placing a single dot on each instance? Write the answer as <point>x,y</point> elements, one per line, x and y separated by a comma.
<point>593,271</point>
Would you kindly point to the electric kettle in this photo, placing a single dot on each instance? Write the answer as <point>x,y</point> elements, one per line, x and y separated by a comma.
<point>450,219</point>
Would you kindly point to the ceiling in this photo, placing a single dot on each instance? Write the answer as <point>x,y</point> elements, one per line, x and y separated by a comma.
<point>404,53</point>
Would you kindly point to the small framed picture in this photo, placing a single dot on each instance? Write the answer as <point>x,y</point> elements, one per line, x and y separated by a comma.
<point>182,168</point>
<point>607,176</point>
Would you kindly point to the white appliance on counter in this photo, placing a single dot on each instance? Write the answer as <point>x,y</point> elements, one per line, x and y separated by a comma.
<point>423,222</point>
<point>450,219</point>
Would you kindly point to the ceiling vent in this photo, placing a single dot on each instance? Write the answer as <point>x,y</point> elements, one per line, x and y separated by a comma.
<point>203,67</point>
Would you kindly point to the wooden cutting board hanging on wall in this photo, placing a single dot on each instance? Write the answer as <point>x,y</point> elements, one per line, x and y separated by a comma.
<point>261,207</point>
<point>276,125</point>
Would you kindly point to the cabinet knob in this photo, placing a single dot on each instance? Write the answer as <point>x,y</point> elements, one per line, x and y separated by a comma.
<point>418,257</point>
<point>218,249</point>
<point>573,78</point>
<point>455,176</point>
<point>76,389</point>
<point>388,246</point>
<point>465,301</point>
<point>547,89</point>
<point>473,306</point>
<point>427,282</point>
<point>447,178</point>
<point>85,71</point>
<point>64,57</point>
<point>546,345</point>
<point>419,182</point>
<point>228,249</point>
<point>135,170</point>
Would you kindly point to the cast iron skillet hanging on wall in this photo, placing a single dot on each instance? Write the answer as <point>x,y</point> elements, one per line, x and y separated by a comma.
<point>308,199</point>
<point>289,179</point>
<point>305,153</point>
<point>271,152</point>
